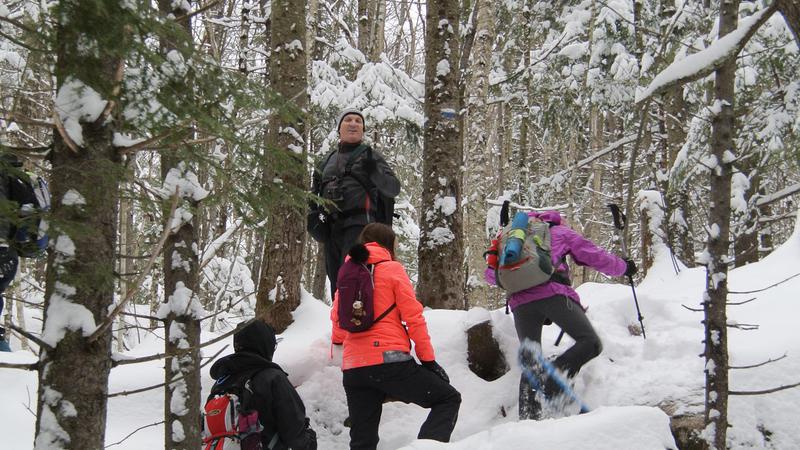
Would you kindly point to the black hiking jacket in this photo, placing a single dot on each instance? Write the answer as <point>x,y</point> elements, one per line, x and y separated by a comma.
<point>355,205</point>
<point>280,409</point>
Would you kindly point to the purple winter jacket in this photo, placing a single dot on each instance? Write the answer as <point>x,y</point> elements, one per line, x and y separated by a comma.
<point>564,241</point>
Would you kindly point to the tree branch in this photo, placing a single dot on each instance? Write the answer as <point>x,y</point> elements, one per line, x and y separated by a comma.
<point>740,303</point>
<point>133,432</point>
<point>764,289</point>
<point>31,366</point>
<point>752,366</point>
<point>780,195</point>
<point>179,353</point>
<point>137,284</point>
<point>692,309</point>
<point>695,66</point>
<point>743,326</point>
<point>61,131</point>
<point>150,388</point>
<point>765,391</point>
<point>36,339</point>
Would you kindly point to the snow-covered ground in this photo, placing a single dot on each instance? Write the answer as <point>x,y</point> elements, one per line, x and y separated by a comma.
<point>624,384</point>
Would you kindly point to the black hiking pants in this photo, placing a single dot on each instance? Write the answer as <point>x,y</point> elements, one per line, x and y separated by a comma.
<point>367,387</point>
<point>564,312</point>
<point>336,249</point>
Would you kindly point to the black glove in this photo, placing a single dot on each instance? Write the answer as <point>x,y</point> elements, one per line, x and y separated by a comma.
<point>631,269</point>
<point>436,369</point>
<point>370,165</point>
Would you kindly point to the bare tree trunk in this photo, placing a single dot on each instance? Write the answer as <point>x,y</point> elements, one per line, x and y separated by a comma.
<point>23,341</point>
<point>281,267</point>
<point>504,130</point>
<point>478,173</point>
<point>716,330</point>
<point>745,244</point>
<point>319,282</point>
<point>126,236</point>
<point>363,26</point>
<point>378,26</point>
<point>441,251</point>
<point>410,58</point>
<point>244,44</point>
<point>679,231</point>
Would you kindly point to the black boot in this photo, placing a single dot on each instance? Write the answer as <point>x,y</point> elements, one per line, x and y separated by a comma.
<point>529,406</point>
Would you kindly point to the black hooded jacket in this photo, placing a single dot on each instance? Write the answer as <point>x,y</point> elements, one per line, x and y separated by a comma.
<point>280,409</point>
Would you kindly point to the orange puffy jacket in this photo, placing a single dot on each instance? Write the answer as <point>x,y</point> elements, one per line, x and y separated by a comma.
<point>392,285</point>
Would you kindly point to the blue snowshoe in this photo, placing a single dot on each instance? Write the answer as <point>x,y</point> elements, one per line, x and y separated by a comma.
<point>544,388</point>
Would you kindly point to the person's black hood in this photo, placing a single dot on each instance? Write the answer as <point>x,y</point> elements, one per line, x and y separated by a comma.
<point>254,345</point>
<point>256,337</point>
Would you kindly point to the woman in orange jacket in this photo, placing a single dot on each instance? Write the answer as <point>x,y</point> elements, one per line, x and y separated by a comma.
<point>377,363</point>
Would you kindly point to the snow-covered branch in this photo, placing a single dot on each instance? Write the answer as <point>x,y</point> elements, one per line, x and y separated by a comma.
<point>703,63</point>
<point>783,193</point>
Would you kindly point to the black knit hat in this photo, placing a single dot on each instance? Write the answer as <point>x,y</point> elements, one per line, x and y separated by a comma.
<point>348,111</point>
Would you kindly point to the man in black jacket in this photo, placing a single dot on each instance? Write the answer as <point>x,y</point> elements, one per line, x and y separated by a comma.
<point>280,409</point>
<point>356,180</point>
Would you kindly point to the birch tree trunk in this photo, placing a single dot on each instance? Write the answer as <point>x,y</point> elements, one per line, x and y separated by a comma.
<point>716,331</point>
<point>282,265</point>
<point>478,167</point>
<point>362,10</point>
<point>377,26</point>
<point>181,275</point>
<point>441,251</point>
<point>71,410</point>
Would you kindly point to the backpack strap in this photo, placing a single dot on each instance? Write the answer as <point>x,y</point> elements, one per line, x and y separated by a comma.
<point>389,309</point>
<point>246,394</point>
<point>354,155</point>
<point>321,170</point>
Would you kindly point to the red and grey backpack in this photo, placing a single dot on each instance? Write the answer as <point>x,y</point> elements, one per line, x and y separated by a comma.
<point>229,424</point>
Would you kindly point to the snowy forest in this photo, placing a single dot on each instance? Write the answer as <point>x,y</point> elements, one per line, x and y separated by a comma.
<point>178,138</point>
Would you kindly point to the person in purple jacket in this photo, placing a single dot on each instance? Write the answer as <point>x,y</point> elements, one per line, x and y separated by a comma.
<point>556,301</point>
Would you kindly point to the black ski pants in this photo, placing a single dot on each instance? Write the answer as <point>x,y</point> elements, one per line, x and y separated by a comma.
<point>336,249</point>
<point>564,312</point>
<point>367,388</point>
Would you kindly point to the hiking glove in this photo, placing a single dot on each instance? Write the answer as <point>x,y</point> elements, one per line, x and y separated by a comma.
<point>437,369</point>
<point>631,269</point>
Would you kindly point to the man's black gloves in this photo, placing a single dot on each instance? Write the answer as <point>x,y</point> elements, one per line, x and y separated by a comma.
<point>631,269</point>
<point>437,369</point>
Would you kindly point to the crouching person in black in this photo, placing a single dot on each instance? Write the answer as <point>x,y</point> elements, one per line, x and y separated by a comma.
<point>280,409</point>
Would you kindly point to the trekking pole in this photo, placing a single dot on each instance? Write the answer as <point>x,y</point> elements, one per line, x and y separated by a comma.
<point>620,221</point>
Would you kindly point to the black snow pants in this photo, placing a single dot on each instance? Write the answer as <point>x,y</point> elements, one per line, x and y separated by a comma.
<point>336,249</point>
<point>367,387</point>
<point>564,312</point>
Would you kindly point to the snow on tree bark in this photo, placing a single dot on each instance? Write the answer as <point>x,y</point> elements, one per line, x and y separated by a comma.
<point>281,267</point>
<point>715,304</point>
<point>441,251</point>
<point>181,271</point>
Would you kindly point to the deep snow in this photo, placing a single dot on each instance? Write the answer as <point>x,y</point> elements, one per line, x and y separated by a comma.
<point>624,384</point>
